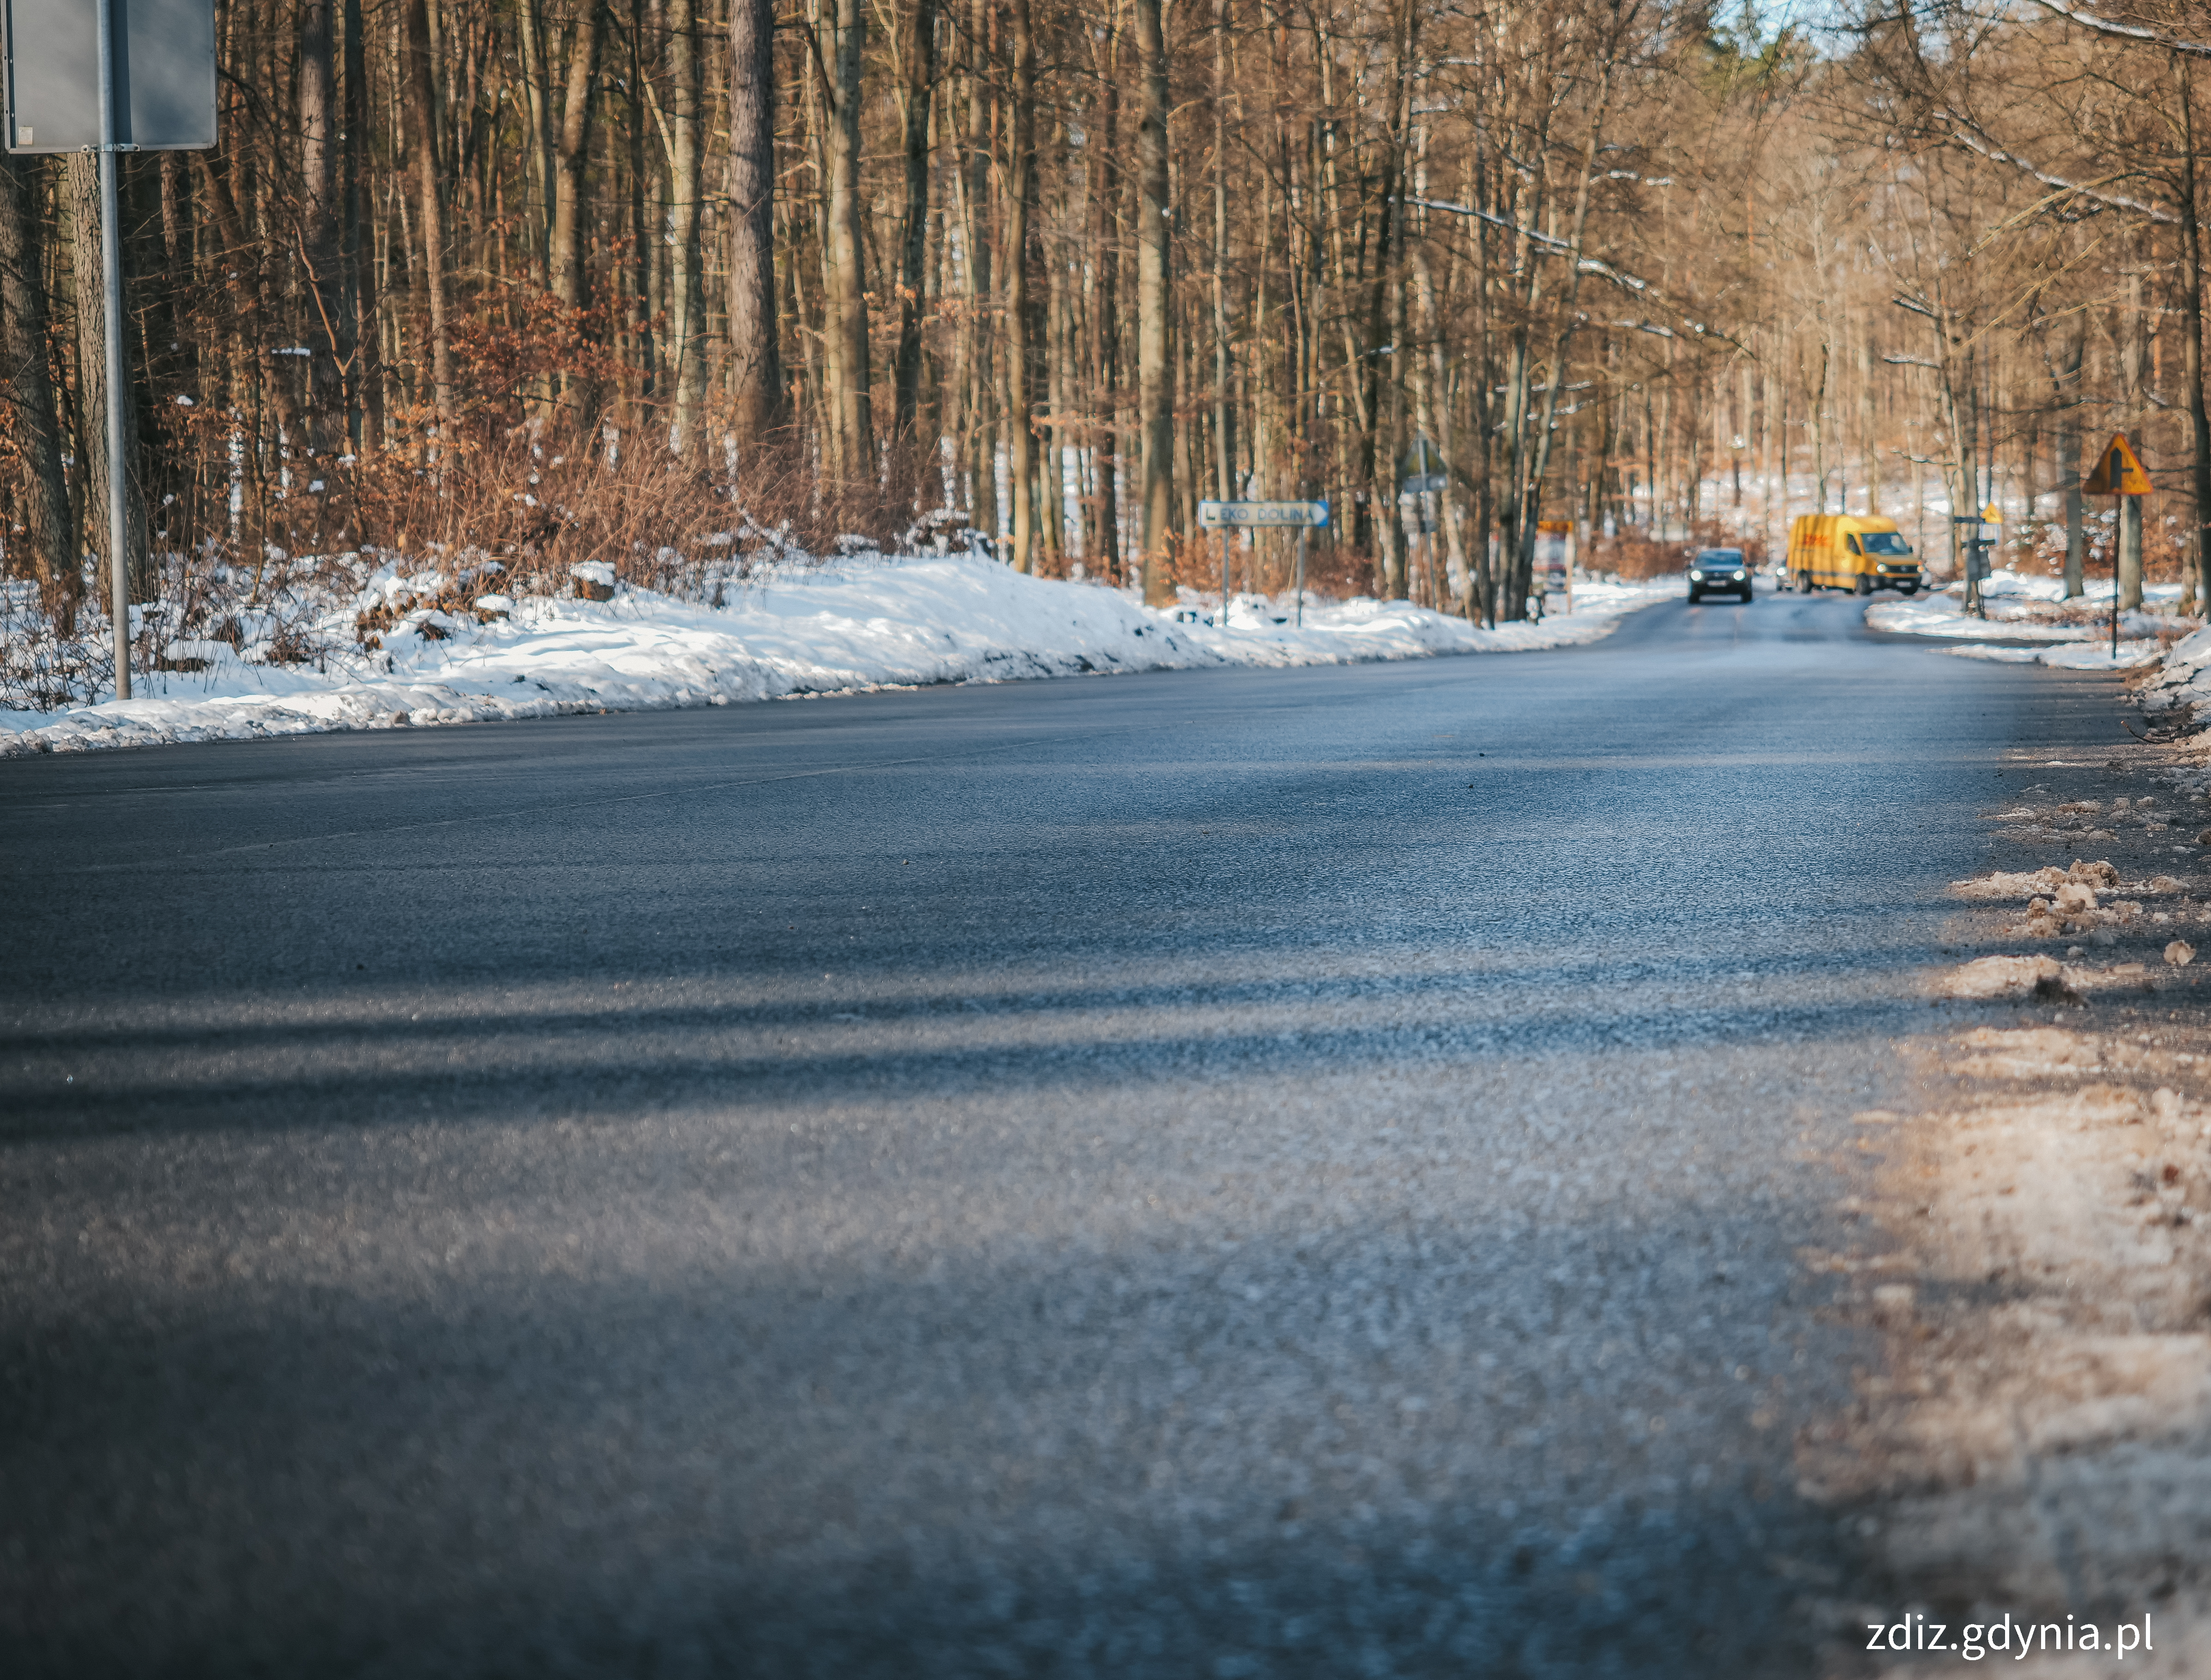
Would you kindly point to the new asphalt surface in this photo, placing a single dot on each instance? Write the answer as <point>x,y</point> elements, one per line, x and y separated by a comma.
<point>1230,1173</point>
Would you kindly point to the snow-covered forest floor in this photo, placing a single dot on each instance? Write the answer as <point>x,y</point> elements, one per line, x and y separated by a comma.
<point>416,647</point>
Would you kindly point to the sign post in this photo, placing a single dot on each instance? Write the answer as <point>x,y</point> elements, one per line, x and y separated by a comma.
<point>145,69</point>
<point>2118,474</point>
<point>1302,516</point>
<point>1980,532</point>
<point>111,286</point>
<point>1421,480</point>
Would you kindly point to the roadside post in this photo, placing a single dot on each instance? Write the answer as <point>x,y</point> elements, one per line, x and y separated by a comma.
<point>2118,474</point>
<point>123,75</point>
<point>1300,516</point>
<point>1978,533</point>
<point>1420,482</point>
<point>1555,540</point>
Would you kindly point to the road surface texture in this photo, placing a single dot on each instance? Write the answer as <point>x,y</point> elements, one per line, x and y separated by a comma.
<point>1236,1174</point>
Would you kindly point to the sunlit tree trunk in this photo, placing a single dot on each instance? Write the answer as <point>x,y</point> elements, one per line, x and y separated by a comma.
<point>1021,348</point>
<point>1154,371</point>
<point>686,296</point>
<point>419,101</point>
<point>919,55</point>
<point>365,365</point>
<point>755,361</point>
<point>842,31</point>
<point>571,149</point>
<point>1107,548</point>
<point>319,215</point>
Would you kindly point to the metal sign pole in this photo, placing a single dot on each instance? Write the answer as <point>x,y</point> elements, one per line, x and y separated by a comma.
<point>111,265</point>
<point>2119,540</point>
<point>1227,516</point>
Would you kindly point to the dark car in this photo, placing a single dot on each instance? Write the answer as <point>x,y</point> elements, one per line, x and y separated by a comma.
<point>1719,571</point>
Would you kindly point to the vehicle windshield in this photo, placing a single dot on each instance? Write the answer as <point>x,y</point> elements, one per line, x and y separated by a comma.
<point>1715,557</point>
<point>1885,542</point>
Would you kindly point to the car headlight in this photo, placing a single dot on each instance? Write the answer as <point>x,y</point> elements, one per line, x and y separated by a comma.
<point>1696,577</point>
<point>1738,577</point>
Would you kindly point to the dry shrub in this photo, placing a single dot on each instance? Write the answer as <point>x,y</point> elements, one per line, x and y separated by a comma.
<point>1634,557</point>
<point>539,509</point>
<point>1337,571</point>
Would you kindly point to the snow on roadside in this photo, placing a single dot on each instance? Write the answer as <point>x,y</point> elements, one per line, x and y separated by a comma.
<point>2185,682</point>
<point>2065,635</point>
<point>2023,609</point>
<point>852,624</point>
<point>2071,656</point>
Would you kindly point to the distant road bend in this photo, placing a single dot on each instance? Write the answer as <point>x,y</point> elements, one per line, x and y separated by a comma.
<point>1231,1173</point>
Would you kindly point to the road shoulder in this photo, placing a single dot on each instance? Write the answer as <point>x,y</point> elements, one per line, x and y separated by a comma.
<point>2037,1257</point>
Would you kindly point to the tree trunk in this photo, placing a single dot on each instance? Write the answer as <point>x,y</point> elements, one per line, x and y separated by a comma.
<point>845,322</point>
<point>1106,550</point>
<point>319,215</point>
<point>49,540</point>
<point>686,295</point>
<point>1391,272</point>
<point>1556,379</point>
<point>755,351</point>
<point>93,394</point>
<point>920,65</point>
<point>1433,394</point>
<point>2195,565</point>
<point>980,451</point>
<point>419,102</point>
<point>541,147</point>
<point>564,256</point>
<point>2065,391</point>
<point>1021,346</point>
<point>364,367</point>
<point>1154,372</point>
<point>1224,474</point>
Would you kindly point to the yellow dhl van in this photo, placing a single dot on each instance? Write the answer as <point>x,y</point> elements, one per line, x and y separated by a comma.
<point>1851,551</point>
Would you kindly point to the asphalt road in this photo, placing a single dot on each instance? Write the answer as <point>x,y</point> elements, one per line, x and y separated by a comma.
<point>1206,1174</point>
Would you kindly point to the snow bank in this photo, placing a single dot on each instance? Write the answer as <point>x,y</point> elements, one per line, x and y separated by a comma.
<point>2030,610</point>
<point>2074,656</point>
<point>2184,684</point>
<point>852,624</point>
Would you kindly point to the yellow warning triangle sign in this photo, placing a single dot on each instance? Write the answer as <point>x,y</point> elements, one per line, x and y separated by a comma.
<point>2118,471</point>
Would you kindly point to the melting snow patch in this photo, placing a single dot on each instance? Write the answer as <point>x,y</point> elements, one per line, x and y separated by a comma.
<point>2021,609</point>
<point>2072,655</point>
<point>2016,978</point>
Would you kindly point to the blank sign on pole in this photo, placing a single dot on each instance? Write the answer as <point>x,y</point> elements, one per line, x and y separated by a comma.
<point>164,75</point>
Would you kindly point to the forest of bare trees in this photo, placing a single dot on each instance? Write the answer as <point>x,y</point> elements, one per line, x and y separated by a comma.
<point>662,281</point>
